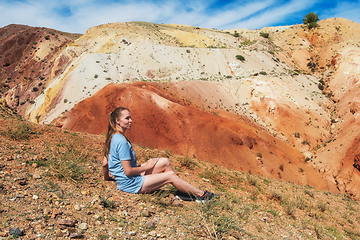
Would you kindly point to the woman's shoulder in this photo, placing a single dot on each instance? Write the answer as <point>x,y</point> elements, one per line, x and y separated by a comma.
<point>118,137</point>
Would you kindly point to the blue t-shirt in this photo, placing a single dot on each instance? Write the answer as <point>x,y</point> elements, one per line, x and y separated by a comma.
<point>121,150</point>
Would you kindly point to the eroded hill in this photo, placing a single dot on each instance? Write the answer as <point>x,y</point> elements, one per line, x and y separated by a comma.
<point>292,96</point>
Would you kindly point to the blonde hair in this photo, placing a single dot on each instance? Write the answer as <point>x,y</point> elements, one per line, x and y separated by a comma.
<point>112,128</point>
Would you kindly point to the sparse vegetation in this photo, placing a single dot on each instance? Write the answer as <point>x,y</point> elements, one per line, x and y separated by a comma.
<point>21,131</point>
<point>66,160</point>
<point>281,167</point>
<point>187,162</point>
<point>263,73</point>
<point>264,34</point>
<point>240,58</point>
<point>297,135</point>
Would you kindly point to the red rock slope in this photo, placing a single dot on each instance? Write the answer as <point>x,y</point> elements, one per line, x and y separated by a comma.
<point>164,121</point>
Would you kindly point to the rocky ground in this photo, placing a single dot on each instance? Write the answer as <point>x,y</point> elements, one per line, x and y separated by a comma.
<point>51,187</point>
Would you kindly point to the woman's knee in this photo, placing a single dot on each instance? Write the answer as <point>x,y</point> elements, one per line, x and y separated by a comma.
<point>164,162</point>
<point>171,175</point>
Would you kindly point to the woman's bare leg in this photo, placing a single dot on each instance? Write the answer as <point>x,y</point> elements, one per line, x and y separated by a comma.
<point>162,165</point>
<point>155,181</point>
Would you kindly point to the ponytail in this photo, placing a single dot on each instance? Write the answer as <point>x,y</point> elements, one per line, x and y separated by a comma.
<point>112,128</point>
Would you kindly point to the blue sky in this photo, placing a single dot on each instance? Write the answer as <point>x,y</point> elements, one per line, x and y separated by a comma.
<point>78,15</point>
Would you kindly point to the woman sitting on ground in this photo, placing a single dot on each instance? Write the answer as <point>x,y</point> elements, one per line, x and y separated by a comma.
<point>120,162</point>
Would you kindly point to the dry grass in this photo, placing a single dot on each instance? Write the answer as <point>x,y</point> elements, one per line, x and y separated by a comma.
<point>250,206</point>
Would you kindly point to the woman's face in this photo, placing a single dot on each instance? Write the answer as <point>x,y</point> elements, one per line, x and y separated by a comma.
<point>124,120</point>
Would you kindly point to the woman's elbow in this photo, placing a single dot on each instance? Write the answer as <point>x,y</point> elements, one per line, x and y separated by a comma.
<point>105,162</point>
<point>127,172</point>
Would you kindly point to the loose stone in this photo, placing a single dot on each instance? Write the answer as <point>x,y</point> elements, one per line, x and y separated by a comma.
<point>131,233</point>
<point>83,226</point>
<point>66,222</point>
<point>36,176</point>
<point>76,235</point>
<point>16,231</point>
<point>150,225</point>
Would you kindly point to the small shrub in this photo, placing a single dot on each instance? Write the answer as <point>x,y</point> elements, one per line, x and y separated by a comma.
<point>308,192</point>
<point>264,35</point>
<point>35,89</point>
<point>263,73</point>
<point>290,208</point>
<point>322,206</point>
<point>252,180</point>
<point>281,167</point>
<point>259,154</point>
<point>320,86</point>
<point>305,142</point>
<point>276,196</point>
<point>107,204</point>
<point>212,174</point>
<point>186,161</point>
<point>240,58</point>
<point>300,202</point>
<point>236,34</point>
<point>47,37</point>
<point>297,135</point>
<point>96,76</point>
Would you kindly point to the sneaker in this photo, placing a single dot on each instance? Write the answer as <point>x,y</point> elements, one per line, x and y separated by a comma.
<point>207,196</point>
<point>185,196</point>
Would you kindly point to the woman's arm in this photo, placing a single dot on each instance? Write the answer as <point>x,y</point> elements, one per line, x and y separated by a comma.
<point>105,170</point>
<point>131,171</point>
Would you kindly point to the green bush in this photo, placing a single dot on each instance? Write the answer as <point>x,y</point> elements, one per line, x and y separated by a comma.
<point>236,34</point>
<point>264,35</point>
<point>311,20</point>
<point>240,57</point>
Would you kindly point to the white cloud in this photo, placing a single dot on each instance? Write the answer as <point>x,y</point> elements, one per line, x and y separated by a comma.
<point>224,18</point>
<point>88,13</point>
<point>274,15</point>
<point>348,10</point>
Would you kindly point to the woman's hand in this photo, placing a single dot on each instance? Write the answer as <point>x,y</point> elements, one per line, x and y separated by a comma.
<point>150,164</point>
<point>131,171</point>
